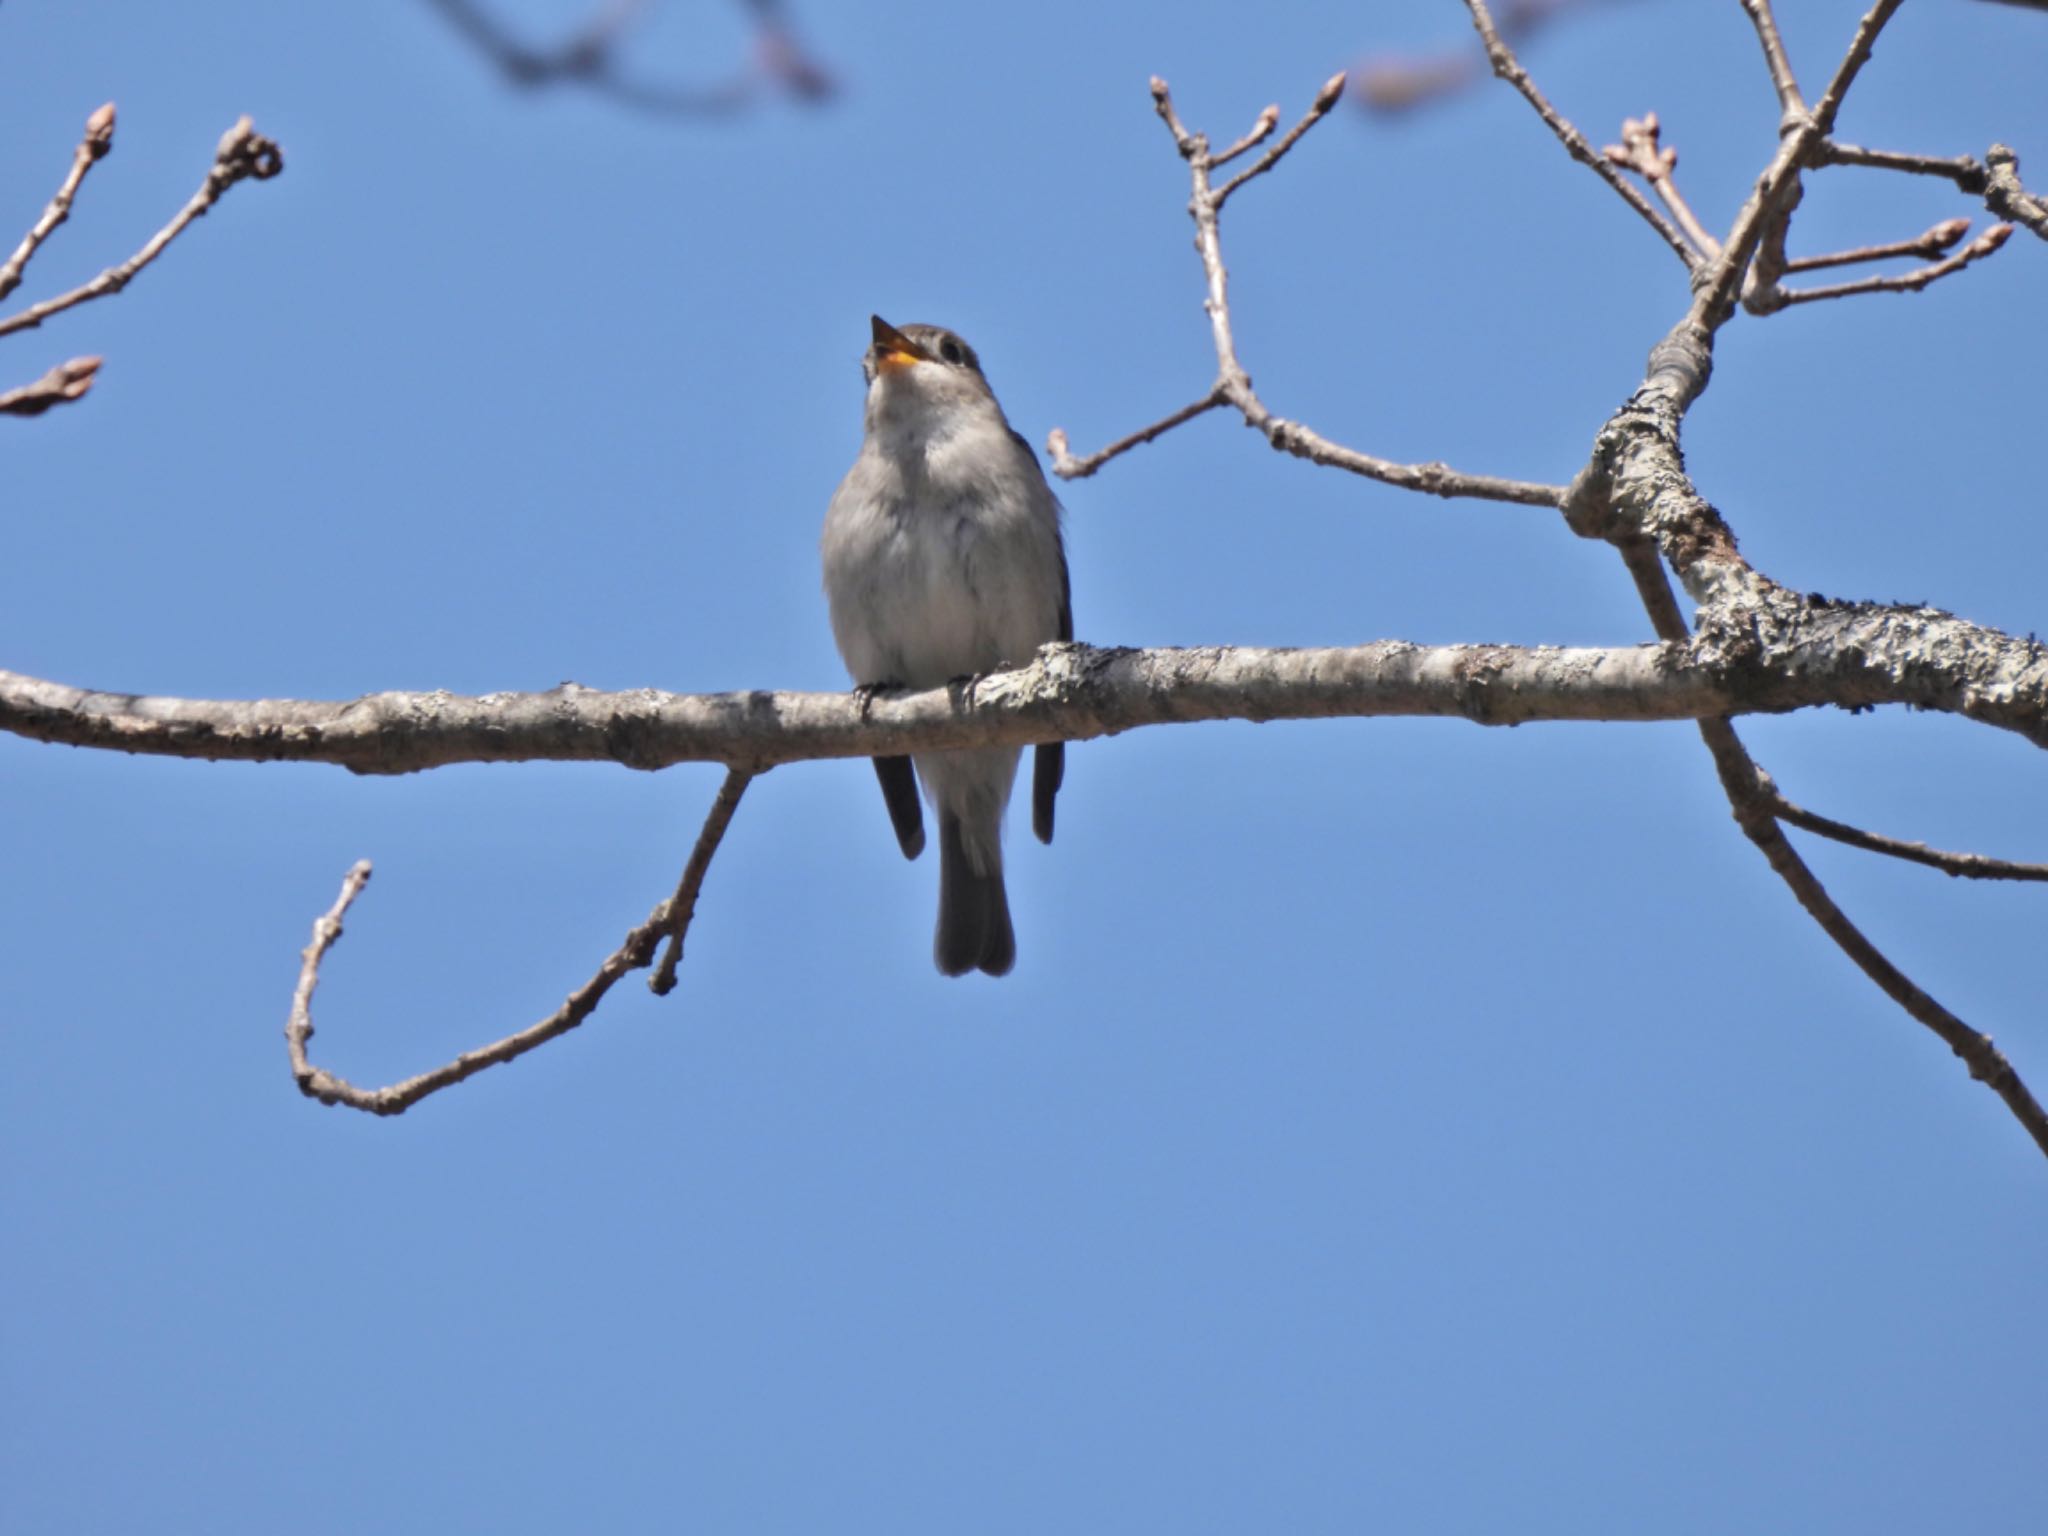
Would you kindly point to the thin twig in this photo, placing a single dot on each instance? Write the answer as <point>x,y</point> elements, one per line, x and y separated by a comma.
<point>1967,173</point>
<point>669,920</point>
<point>682,906</point>
<point>1861,46</point>
<point>1067,467</point>
<point>242,153</point>
<point>63,383</point>
<point>1328,97</point>
<point>1261,130</point>
<point>1757,805</point>
<point>1506,66</point>
<point>1755,815</point>
<point>1791,104</point>
<point>1967,866</point>
<point>93,148</point>
<point>1906,282</point>
<point>1234,385</point>
<point>1640,151</point>
<point>1928,247</point>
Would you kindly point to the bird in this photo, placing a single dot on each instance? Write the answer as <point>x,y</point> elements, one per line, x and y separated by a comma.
<point>943,559</point>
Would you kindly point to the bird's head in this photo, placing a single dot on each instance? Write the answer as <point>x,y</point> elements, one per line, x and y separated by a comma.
<point>918,372</point>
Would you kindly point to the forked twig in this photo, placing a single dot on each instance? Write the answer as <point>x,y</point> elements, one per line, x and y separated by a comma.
<point>1637,493</point>
<point>243,153</point>
<point>670,920</point>
<point>1508,68</point>
<point>1904,282</point>
<point>1640,151</point>
<point>1233,385</point>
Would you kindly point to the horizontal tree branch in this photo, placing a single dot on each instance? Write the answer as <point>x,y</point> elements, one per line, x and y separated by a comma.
<point>1779,653</point>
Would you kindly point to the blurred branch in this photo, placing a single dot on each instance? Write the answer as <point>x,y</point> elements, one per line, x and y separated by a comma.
<point>1388,84</point>
<point>65,382</point>
<point>670,920</point>
<point>589,58</point>
<point>242,153</point>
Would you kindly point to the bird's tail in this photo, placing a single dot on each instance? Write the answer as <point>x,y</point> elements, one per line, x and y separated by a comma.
<point>974,911</point>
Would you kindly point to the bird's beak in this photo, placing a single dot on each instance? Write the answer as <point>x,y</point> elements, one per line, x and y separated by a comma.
<point>893,349</point>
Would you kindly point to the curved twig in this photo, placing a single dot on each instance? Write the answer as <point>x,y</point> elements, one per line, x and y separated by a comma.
<point>670,920</point>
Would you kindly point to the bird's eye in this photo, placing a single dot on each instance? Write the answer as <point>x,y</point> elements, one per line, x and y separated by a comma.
<point>949,349</point>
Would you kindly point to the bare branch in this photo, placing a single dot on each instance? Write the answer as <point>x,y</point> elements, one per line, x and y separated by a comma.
<point>1904,282</point>
<point>1162,103</point>
<point>1969,866</point>
<point>1929,246</point>
<point>1067,467</point>
<point>1791,104</point>
<point>65,382</point>
<point>671,920</point>
<point>1757,806</point>
<point>1861,46</point>
<point>682,906</point>
<point>1755,815</point>
<point>1233,384</point>
<point>1759,649</point>
<point>1641,153</point>
<point>1967,173</point>
<point>1996,177</point>
<point>2007,198</point>
<point>242,153</point>
<point>1328,97</point>
<point>93,148</point>
<point>1261,130</point>
<point>1509,69</point>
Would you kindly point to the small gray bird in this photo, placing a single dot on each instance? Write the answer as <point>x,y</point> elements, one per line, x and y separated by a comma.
<point>943,560</point>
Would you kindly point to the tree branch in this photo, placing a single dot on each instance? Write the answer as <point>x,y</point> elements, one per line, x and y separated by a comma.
<point>1967,866</point>
<point>242,153</point>
<point>1759,649</point>
<point>1233,385</point>
<point>93,148</point>
<point>1903,282</point>
<point>670,920</point>
<point>1508,68</point>
<point>1928,247</point>
<point>65,382</point>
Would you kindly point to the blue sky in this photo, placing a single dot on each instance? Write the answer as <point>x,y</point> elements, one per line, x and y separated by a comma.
<point>1389,1124</point>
